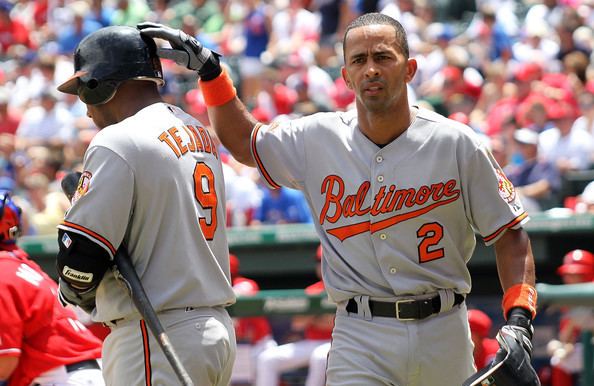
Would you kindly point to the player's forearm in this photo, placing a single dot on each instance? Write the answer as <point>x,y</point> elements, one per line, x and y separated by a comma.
<point>229,117</point>
<point>233,125</point>
<point>515,265</point>
<point>515,262</point>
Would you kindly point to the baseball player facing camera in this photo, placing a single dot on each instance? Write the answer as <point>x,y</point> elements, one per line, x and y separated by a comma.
<point>41,342</point>
<point>398,193</point>
<point>152,183</point>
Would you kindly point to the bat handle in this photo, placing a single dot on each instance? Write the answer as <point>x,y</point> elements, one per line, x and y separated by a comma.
<point>144,306</point>
<point>175,361</point>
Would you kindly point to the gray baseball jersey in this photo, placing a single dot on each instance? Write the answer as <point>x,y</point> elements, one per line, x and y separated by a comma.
<point>154,182</point>
<point>389,218</point>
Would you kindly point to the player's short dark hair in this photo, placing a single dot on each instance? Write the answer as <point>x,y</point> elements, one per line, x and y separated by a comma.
<point>375,18</point>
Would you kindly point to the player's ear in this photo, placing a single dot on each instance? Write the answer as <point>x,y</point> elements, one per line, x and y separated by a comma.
<point>411,69</point>
<point>345,76</point>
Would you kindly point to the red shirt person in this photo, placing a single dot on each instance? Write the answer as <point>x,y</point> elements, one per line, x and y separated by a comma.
<point>248,329</point>
<point>12,31</point>
<point>311,351</point>
<point>485,348</point>
<point>41,342</point>
<point>254,331</point>
<point>566,350</point>
<point>320,327</point>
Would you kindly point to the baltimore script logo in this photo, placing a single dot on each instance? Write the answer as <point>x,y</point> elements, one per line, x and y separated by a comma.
<point>388,199</point>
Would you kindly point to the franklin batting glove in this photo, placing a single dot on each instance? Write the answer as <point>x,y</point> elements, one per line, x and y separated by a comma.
<point>85,299</point>
<point>185,50</point>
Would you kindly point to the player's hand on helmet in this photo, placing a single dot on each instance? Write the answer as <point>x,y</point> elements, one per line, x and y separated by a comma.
<point>84,298</point>
<point>185,50</point>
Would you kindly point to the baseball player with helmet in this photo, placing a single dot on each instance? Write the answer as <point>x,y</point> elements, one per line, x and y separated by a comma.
<point>566,350</point>
<point>398,193</point>
<point>152,183</point>
<point>577,267</point>
<point>41,342</point>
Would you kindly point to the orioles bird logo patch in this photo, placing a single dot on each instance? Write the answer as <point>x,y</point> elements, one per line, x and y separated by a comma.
<point>506,188</point>
<point>83,185</point>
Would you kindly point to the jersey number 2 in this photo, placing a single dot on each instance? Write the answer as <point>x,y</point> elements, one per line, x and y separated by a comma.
<point>204,190</point>
<point>431,234</point>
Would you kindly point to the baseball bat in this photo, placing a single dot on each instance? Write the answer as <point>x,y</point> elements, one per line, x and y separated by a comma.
<point>130,278</point>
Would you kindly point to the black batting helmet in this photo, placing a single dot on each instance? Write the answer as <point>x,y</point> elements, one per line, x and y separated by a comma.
<point>106,58</point>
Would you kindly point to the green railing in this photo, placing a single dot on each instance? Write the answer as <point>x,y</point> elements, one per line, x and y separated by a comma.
<point>282,302</point>
<point>573,295</point>
<point>305,233</point>
<point>278,250</point>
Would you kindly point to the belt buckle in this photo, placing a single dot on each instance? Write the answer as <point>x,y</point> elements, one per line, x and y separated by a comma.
<point>403,301</point>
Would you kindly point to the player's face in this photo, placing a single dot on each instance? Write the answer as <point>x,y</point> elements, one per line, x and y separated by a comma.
<point>100,115</point>
<point>376,69</point>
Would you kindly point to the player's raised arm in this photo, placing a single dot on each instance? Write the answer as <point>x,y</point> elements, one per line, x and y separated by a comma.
<point>229,117</point>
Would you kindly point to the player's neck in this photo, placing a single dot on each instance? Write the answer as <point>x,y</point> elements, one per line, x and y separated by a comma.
<point>129,101</point>
<point>382,129</point>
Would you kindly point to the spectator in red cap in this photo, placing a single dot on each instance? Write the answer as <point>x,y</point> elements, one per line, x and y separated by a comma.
<point>528,72</point>
<point>577,267</point>
<point>456,83</point>
<point>566,351</point>
<point>532,113</point>
<point>485,348</point>
<point>253,334</point>
<point>515,102</point>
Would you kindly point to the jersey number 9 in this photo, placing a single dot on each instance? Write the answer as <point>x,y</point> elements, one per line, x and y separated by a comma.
<point>206,195</point>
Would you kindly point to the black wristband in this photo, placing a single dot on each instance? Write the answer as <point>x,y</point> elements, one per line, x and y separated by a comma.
<point>521,317</point>
<point>211,68</point>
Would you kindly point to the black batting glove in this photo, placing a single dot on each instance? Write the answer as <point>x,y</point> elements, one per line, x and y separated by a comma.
<point>85,299</point>
<point>519,321</point>
<point>185,50</point>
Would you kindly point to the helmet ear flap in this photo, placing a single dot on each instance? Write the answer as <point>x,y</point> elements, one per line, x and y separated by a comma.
<point>95,92</point>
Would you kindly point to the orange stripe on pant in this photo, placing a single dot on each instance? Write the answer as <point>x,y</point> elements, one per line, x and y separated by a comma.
<point>147,353</point>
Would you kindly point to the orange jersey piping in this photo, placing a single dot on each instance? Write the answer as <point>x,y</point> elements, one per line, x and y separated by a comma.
<point>510,224</point>
<point>147,353</point>
<point>265,174</point>
<point>89,232</point>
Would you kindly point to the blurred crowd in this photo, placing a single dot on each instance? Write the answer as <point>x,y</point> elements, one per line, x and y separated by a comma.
<point>520,73</point>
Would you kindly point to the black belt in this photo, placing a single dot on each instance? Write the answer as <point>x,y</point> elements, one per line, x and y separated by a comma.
<point>405,309</point>
<point>89,364</point>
